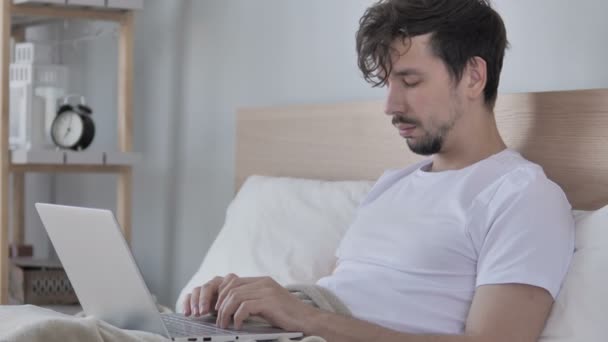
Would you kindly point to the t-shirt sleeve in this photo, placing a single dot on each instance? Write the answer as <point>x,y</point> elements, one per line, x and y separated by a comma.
<point>529,236</point>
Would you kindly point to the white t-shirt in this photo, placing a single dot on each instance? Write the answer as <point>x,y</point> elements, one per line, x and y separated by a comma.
<point>422,242</point>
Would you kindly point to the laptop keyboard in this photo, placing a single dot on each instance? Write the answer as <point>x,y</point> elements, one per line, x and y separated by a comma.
<point>181,326</point>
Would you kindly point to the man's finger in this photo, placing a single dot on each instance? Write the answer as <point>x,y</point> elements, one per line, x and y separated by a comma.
<point>245,310</point>
<point>226,286</point>
<point>235,298</point>
<point>254,290</point>
<point>228,279</point>
<point>208,295</point>
<point>187,306</point>
<point>194,300</point>
<point>235,283</point>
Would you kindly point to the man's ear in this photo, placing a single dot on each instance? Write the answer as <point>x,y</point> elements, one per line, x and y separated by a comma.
<point>476,77</point>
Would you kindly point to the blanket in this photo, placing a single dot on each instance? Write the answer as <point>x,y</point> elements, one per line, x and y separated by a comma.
<point>35,324</point>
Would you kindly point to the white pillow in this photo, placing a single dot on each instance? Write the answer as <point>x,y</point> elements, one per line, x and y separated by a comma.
<point>286,228</point>
<point>580,312</point>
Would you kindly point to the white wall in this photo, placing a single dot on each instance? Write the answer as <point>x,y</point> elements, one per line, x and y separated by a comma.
<point>197,61</point>
<point>555,44</point>
<point>157,115</point>
<point>252,53</point>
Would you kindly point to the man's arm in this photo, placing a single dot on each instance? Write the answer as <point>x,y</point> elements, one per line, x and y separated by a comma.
<point>499,313</point>
<point>509,313</point>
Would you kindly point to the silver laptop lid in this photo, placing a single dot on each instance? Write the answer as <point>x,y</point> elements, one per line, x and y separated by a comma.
<point>94,254</point>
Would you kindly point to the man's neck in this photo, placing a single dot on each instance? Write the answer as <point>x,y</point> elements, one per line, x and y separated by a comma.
<point>470,149</point>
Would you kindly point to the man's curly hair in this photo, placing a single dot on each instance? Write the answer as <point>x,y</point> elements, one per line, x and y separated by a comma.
<point>460,30</point>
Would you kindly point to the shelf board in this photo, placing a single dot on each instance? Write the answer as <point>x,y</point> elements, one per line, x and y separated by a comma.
<point>46,168</point>
<point>23,21</point>
<point>71,161</point>
<point>36,14</point>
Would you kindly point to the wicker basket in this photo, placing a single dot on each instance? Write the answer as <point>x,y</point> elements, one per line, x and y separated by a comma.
<point>40,282</point>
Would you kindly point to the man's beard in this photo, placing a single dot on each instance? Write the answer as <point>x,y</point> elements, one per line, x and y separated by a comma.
<point>429,143</point>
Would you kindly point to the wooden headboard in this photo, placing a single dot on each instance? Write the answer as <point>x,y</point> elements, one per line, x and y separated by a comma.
<point>565,132</point>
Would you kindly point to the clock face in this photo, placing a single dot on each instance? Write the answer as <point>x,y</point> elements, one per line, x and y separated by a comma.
<point>67,129</point>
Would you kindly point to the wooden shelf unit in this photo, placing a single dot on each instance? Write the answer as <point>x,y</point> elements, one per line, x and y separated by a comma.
<point>13,21</point>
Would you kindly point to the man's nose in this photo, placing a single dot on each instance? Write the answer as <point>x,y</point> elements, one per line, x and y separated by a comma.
<point>395,103</point>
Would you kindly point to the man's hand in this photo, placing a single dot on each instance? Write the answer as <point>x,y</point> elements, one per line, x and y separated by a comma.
<point>237,299</point>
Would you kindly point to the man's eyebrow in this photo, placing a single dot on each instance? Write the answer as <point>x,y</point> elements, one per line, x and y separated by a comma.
<point>407,72</point>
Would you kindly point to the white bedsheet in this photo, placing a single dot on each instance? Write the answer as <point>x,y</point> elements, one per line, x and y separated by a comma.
<point>35,324</point>
<point>28,323</point>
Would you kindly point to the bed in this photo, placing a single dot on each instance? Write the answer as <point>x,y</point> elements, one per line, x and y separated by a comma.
<point>565,132</point>
<point>301,170</point>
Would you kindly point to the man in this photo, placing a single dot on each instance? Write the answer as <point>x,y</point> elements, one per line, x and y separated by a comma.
<point>470,245</point>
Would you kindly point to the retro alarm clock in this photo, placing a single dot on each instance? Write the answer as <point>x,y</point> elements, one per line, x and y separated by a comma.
<point>73,127</point>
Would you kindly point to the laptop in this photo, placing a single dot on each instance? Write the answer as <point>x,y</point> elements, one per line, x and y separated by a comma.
<point>110,287</point>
